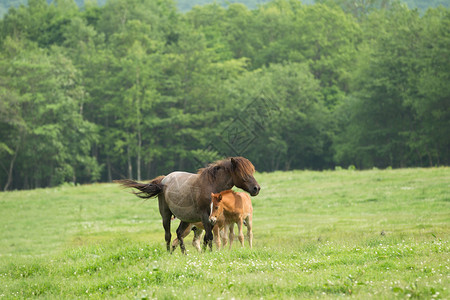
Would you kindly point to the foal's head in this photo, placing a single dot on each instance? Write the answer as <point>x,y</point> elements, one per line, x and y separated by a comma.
<point>216,207</point>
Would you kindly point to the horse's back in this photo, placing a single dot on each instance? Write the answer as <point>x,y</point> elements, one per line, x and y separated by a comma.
<point>246,202</point>
<point>240,201</point>
<point>176,177</point>
<point>181,191</point>
<point>179,182</point>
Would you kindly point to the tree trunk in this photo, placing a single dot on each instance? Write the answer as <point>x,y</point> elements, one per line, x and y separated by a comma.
<point>130,167</point>
<point>138,125</point>
<point>149,170</point>
<point>138,159</point>
<point>108,166</point>
<point>11,168</point>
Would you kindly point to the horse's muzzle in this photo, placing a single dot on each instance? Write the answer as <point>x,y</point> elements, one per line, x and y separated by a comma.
<point>213,220</point>
<point>255,190</point>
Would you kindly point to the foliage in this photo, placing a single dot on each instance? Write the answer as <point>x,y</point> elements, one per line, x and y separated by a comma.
<point>186,5</point>
<point>362,234</point>
<point>43,129</point>
<point>385,124</point>
<point>135,89</point>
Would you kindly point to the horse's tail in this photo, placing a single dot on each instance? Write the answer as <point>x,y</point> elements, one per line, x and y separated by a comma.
<point>147,190</point>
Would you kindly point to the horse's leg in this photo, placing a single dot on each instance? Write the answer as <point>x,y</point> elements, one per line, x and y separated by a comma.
<point>249,230</point>
<point>208,232</point>
<point>223,235</point>
<point>231,236</point>
<point>216,231</point>
<point>166,215</point>
<point>196,240</point>
<point>241,231</point>
<point>180,231</point>
<point>176,242</point>
<point>168,235</point>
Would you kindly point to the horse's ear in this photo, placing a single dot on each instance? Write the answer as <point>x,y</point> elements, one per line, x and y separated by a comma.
<point>234,163</point>
<point>212,195</point>
<point>220,197</point>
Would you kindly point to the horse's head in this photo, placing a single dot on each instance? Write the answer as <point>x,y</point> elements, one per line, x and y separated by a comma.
<point>242,174</point>
<point>216,208</point>
<point>229,172</point>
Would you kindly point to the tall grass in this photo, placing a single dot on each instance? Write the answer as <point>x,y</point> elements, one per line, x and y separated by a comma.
<point>361,234</point>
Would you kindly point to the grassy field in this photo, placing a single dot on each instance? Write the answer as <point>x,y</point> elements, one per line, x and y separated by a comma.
<point>380,234</point>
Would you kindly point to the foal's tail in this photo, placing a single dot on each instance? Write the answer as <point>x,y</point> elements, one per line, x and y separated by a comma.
<point>147,190</point>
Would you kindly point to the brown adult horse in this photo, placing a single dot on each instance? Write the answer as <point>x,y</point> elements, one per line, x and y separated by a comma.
<point>187,196</point>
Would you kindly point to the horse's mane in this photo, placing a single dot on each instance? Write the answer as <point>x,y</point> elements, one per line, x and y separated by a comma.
<point>242,167</point>
<point>227,192</point>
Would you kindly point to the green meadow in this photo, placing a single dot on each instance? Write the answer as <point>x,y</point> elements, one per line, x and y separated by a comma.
<point>381,234</point>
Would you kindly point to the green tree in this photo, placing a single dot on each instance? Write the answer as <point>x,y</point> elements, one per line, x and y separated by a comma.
<point>359,8</point>
<point>47,138</point>
<point>377,119</point>
<point>122,73</point>
<point>40,22</point>
<point>281,111</point>
<point>323,36</point>
<point>196,74</point>
<point>430,101</point>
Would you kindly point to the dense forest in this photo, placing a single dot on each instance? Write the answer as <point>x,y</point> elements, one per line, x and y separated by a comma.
<point>135,89</point>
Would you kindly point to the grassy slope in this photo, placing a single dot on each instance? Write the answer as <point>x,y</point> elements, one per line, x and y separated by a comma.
<point>316,234</point>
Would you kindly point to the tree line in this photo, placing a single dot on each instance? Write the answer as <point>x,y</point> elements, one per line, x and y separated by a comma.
<point>186,5</point>
<point>135,89</point>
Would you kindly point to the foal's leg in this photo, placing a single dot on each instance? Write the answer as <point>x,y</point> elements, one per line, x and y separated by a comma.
<point>176,242</point>
<point>223,235</point>
<point>249,230</point>
<point>241,231</point>
<point>180,230</point>
<point>196,239</point>
<point>231,236</point>
<point>216,231</point>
